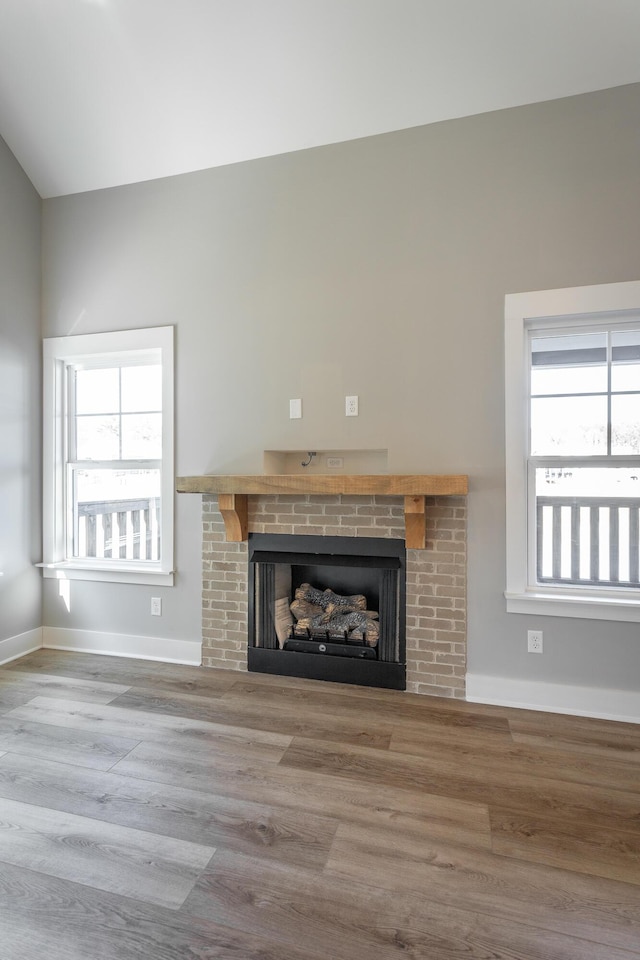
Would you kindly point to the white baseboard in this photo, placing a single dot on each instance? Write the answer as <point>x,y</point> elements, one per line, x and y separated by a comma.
<point>123,645</point>
<point>605,704</point>
<point>15,647</point>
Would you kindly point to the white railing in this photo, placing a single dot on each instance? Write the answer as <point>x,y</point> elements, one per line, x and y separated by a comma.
<point>588,540</point>
<point>120,529</point>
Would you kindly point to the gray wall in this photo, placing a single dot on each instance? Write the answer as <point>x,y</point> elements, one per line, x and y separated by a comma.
<point>378,268</point>
<point>20,400</point>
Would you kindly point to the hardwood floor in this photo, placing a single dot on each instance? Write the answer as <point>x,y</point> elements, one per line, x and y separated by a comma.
<point>178,813</point>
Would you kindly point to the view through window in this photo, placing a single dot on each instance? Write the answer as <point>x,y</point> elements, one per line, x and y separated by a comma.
<point>113,487</point>
<point>584,456</point>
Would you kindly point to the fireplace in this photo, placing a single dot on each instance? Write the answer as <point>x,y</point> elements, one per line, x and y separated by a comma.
<point>327,608</point>
<point>435,635</point>
<point>427,512</point>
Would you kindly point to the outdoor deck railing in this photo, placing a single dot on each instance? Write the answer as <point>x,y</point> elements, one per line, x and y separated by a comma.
<point>123,529</point>
<point>588,540</point>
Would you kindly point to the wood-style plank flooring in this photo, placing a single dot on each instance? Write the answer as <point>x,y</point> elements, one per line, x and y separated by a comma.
<point>175,813</point>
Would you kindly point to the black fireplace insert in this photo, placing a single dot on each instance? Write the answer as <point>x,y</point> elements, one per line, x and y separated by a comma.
<point>340,645</point>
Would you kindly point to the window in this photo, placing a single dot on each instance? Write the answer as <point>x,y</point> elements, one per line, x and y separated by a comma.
<point>573,452</point>
<point>108,456</point>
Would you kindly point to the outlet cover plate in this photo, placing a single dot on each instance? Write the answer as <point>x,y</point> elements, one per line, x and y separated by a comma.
<point>351,406</point>
<point>534,641</point>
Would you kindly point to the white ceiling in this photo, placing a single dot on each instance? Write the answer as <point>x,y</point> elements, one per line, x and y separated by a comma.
<point>95,93</point>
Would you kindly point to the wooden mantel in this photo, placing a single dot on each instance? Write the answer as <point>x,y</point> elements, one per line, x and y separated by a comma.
<point>233,493</point>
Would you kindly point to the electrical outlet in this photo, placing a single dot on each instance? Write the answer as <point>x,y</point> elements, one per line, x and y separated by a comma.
<point>156,606</point>
<point>351,406</point>
<point>534,641</point>
<point>295,409</point>
<point>335,463</point>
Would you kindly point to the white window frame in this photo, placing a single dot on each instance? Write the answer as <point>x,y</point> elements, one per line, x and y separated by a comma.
<point>611,301</point>
<point>58,354</point>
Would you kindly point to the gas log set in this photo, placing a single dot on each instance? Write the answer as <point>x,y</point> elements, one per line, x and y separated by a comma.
<point>325,615</point>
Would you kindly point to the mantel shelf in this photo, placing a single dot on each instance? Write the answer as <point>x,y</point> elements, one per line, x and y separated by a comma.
<point>233,492</point>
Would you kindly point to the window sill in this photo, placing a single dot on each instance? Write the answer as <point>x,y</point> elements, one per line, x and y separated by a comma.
<point>149,574</point>
<point>580,606</point>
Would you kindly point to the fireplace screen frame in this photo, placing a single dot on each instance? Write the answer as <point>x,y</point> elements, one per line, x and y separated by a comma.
<point>387,556</point>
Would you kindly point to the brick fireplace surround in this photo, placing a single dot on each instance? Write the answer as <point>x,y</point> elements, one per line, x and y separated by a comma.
<point>436,576</point>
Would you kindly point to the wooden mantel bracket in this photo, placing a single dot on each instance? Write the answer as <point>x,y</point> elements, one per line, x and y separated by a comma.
<point>234,508</point>
<point>415,522</point>
<point>233,493</point>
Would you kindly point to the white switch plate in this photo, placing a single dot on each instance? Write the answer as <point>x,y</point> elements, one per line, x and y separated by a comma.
<point>156,606</point>
<point>295,409</point>
<point>351,406</point>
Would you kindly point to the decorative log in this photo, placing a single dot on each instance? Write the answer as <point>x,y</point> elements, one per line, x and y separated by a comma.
<point>304,608</point>
<point>328,616</point>
<point>325,598</point>
<point>355,624</point>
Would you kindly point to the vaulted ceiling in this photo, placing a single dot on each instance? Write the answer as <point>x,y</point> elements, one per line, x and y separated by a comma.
<point>95,93</point>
